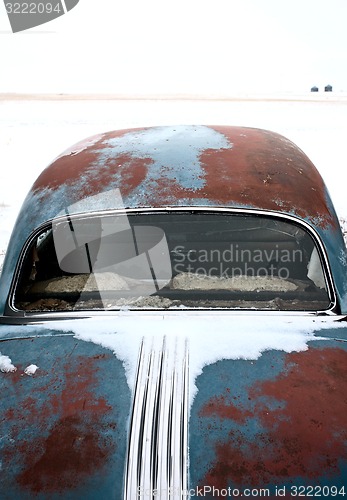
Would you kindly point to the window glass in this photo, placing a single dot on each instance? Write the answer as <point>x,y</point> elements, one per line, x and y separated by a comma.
<point>172,260</point>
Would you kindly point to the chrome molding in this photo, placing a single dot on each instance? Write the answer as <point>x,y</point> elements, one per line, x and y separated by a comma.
<point>157,461</point>
<point>12,310</point>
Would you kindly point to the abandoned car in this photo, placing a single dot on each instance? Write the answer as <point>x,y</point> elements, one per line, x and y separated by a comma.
<point>173,325</point>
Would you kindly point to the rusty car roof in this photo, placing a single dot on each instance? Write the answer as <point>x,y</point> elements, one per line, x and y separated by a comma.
<point>183,166</point>
<point>189,165</point>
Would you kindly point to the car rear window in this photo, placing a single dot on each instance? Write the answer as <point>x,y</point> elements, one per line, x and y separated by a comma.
<point>172,259</point>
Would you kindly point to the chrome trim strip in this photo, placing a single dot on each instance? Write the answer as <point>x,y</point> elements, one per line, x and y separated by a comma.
<point>184,458</point>
<point>246,211</point>
<point>157,461</point>
<point>132,445</point>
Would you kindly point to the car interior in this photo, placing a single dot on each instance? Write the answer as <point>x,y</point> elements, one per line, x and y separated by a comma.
<point>169,259</point>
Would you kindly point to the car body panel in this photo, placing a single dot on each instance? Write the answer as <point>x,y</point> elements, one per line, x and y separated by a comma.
<point>182,166</point>
<point>161,403</point>
<point>279,420</point>
<point>63,428</point>
<point>263,409</point>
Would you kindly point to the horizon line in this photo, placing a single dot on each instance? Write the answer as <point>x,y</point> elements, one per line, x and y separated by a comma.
<point>242,96</point>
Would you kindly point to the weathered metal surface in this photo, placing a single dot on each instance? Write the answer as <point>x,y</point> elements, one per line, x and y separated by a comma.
<point>182,166</point>
<point>279,421</point>
<point>87,425</point>
<point>270,416</point>
<point>175,166</point>
<point>63,429</point>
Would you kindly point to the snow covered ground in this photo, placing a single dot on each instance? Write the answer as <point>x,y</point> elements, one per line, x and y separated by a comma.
<point>33,132</point>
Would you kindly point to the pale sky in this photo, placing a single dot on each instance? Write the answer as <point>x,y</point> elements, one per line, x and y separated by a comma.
<point>197,47</point>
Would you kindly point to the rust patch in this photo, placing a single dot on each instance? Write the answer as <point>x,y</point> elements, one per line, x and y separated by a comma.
<point>67,169</point>
<point>303,438</point>
<point>16,376</point>
<point>169,192</point>
<point>131,172</point>
<point>77,394</point>
<point>67,418</point>
<point>82,168</point>
<point>219,407</point>
<point>265,170</point>
<point>123,171</point>
<point>27,412</point>
<point>260,169</point>
<point>73,449</point>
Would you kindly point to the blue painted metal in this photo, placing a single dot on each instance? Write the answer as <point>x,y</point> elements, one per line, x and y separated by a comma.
<point>278,419</point>
<point>183,166</point>
<point>275,422</point>
<point>63,430</point>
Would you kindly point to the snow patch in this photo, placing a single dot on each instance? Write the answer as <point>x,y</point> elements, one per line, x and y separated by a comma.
<point>6,365</point>
<point>210,338</point>
<point>30,370</point>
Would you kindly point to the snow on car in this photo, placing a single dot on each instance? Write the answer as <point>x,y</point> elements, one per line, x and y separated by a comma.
<point>177,296</point>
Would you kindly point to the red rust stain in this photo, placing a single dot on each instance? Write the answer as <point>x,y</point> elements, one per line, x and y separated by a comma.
<point>77,394</point>
<point>73,449</point>
<point>306,437</point>
<point>83,170</point>
<point>265,170</point>
<point>132,171</point>
<point>261,169</point>
<point>16,376</point>
<point>169,192</point>
<point>67,169</point>
<point>27,411</point>
<point>68,419</point>
<point>218,406</point>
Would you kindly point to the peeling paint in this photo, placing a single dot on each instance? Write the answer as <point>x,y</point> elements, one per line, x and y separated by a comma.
<point>268,404</point>
<point>64,426</point>
<point>289,425</point>
<point>260,167</point>
<point>194,166</point>
<point>162,166</point>
<point>78,433</point>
